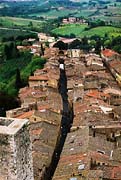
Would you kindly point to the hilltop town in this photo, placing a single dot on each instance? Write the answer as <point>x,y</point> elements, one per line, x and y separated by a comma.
<point>68,126</point>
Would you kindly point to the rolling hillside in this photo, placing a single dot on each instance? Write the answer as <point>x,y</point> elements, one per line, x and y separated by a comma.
<point>79,30</point>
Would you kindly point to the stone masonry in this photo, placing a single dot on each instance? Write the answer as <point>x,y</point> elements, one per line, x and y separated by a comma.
<point>15,150</point>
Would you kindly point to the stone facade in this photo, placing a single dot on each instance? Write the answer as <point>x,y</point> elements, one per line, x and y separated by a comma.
<point>15,150</point>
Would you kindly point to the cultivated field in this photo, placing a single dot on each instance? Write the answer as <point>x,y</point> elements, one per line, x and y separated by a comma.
<point>55,13</point>
<point>79,30</point>
<point>101,31</point>
<point>19,22</point>
<point>76,29</point>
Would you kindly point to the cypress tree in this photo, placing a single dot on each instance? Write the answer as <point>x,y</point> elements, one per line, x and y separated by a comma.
<point>18,81</point>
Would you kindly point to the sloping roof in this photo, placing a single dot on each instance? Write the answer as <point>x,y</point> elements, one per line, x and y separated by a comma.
<point>25,115</point>
<point>67,40</point>
<point>29,92</point>
<point>109,53</point>
<point>97,94</point>
<point>112,172</point>
<point>44,107</point>
<point>38,78</point>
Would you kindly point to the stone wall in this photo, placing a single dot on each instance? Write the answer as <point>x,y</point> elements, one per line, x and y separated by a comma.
<point>5,151</point>
<point>23,155</point>
<point>15,151</point>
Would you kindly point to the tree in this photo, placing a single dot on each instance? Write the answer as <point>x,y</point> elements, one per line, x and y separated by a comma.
<point>95,37</point>
<point>18,81</point>
<point>75,44</point>
<point>92,43</point>
<point>96,23</point>
<point>6,52</point>
<point>72,35</point>
<point>42,49</point>
<point>98,46</point>
<point>84,44</point>
<point>10,51</point>
<point>61,45</point>
<point>14,50</point>
<point>2,87</point>
<point>30,24</point>
<point>107,43</point>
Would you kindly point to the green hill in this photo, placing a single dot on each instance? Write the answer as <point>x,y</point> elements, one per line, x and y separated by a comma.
<point>76,29</point>
<point>15,22</point>
<point>26,64</point>
<point>101,31</point>
<point>79,30</point>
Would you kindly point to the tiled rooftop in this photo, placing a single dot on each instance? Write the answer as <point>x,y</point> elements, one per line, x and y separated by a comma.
<point>96,128</point>
<point>109,53</point>
<point>95,109</point>
<point>38,78</point>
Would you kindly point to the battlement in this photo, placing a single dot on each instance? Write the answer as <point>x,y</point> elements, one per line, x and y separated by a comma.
<point>10,126</point>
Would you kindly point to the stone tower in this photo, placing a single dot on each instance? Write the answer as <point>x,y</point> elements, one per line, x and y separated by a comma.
<point>15,150</point>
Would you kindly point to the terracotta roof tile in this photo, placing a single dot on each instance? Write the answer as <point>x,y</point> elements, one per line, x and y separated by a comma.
<point>38,78</point>
<point>44,107</point>
<point>115,63</point>
<point>97,94</point>
<point>73,158</point>
<point>25,115</point>
<point>99,156</point>
<point>116,172</point>
<point>109,53</point>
